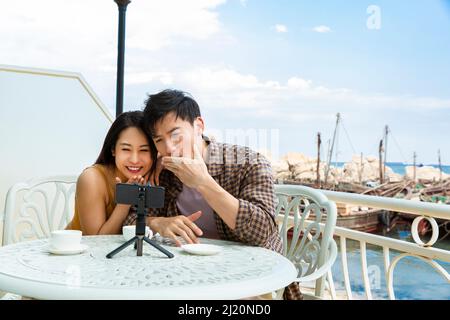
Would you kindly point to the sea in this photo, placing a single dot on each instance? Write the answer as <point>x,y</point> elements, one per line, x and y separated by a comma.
<point>400,167</point>
<point>414,279</point>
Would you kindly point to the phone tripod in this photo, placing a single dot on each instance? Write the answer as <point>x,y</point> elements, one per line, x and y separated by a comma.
<point>140,237</point>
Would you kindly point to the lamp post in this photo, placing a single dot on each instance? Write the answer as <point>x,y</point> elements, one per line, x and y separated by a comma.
<point>122,5</point>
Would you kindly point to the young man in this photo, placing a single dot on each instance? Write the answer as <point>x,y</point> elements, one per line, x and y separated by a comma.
<point>213,190</point>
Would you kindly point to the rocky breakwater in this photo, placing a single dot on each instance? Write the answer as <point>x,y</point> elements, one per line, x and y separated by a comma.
<point>297,166</point>
<point>425,174</point>
<point>368,169</point>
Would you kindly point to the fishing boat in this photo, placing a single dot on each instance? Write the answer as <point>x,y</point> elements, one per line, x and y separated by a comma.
<point>349,216</point>
<point>382,182</point>
<point>426,192</point>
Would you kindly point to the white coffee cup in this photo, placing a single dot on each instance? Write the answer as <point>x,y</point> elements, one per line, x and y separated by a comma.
<point>130,231</point>
<point>65,239</point>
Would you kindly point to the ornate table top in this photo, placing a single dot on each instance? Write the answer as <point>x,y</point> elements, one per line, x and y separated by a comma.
<point>238,271</point>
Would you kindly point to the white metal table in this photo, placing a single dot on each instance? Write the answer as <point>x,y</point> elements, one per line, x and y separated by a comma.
<point>238,271</point>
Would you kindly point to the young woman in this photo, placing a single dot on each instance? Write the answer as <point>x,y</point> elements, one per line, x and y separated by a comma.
<point>126,156</point>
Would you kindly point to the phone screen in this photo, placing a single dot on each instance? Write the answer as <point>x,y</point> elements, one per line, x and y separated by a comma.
<point>129,194</point>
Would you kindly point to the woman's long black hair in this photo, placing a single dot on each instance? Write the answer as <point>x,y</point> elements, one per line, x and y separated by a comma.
<point>123,121</point>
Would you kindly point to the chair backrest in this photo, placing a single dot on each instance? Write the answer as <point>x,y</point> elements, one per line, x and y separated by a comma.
<point>35,208</point>
<point>306,221</point>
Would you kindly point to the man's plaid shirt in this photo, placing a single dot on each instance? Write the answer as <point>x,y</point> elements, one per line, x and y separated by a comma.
<point>247,176</point>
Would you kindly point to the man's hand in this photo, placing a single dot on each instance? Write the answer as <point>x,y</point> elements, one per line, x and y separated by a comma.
<point>192,172</point>
<point>178,226</point>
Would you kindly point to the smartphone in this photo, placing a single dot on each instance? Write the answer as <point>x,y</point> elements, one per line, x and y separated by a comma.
<point>129,194</point>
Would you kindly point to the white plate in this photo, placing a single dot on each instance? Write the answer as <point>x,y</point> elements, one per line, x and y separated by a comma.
<point>70,251</point>
<point>201,249</point>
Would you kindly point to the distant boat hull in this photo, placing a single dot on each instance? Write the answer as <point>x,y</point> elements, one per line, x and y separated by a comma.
<point>349,216</point>
<point>365,220</point>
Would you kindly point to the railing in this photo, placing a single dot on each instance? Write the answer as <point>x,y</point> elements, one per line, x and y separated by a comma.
<point>420,250</point>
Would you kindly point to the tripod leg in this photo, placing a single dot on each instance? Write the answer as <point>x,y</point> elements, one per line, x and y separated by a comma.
<point>157,246</point>
<point>123,246</point>
<point>139,245</point>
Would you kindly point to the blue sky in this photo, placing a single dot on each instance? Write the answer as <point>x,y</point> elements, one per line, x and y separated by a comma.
<point>261,66</point>
<point>412,43</point>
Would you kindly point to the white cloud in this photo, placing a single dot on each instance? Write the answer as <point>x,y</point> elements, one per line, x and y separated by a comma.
<point>223,86</point>
<point>79,35</point>
<point>133,78</point>
<point>243,2</point>
<point>322,29</point>
<point>299,83</point>
<point>156,24</point>
<point>281,28</point>
<point>221,78</point>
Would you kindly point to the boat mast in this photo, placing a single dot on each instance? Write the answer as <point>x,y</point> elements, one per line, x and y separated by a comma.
<point>360,169</point>
<point>414,168</point>
<point>319,141</point>
<point>380,156</point>
<point>338,117</point>
<point>440,166</point>
<point>326,165</point>
<point>386,131</point>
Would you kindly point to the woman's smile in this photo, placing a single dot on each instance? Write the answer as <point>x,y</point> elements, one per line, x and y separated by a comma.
<point>134,169</point>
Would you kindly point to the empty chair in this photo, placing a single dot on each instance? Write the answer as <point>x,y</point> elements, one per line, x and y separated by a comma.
<point>306,221</point>
<point>35,208</point>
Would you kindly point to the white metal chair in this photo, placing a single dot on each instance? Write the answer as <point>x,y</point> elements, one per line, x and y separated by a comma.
<point>311,217</point>
<point>34,208</point>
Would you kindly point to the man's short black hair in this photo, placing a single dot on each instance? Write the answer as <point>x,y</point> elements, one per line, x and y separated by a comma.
<point>157,106</point>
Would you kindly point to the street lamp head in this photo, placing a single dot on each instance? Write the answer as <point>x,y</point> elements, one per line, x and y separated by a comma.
<point>122,2</point>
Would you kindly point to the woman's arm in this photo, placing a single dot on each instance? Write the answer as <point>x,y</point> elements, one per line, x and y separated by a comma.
<point>91,201</point>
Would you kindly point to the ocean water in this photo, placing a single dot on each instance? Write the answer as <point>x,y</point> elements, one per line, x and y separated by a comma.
<point>400,168</point>
<point>414,279</point>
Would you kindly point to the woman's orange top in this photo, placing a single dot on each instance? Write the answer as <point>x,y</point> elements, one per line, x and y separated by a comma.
<point>110,184</point>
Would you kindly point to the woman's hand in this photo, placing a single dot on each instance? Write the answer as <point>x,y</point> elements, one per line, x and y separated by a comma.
<point>135,179</point>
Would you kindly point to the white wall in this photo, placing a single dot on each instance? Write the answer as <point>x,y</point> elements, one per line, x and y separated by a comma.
<point>51,123</point>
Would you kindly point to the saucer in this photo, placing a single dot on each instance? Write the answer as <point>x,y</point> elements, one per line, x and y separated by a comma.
<point>69,251</point>
<point>201,249</point>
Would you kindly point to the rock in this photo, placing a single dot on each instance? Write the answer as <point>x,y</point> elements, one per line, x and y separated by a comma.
<point>371,159</point>
<point>305,167</point>
<point>294,158</point>
<point>394,177</point>
<point>301,167</point>
<point>308,175</point>
<point>280,165</point>
<point>427,173</point>
<point>280,170</point>
<point>283,175</point>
